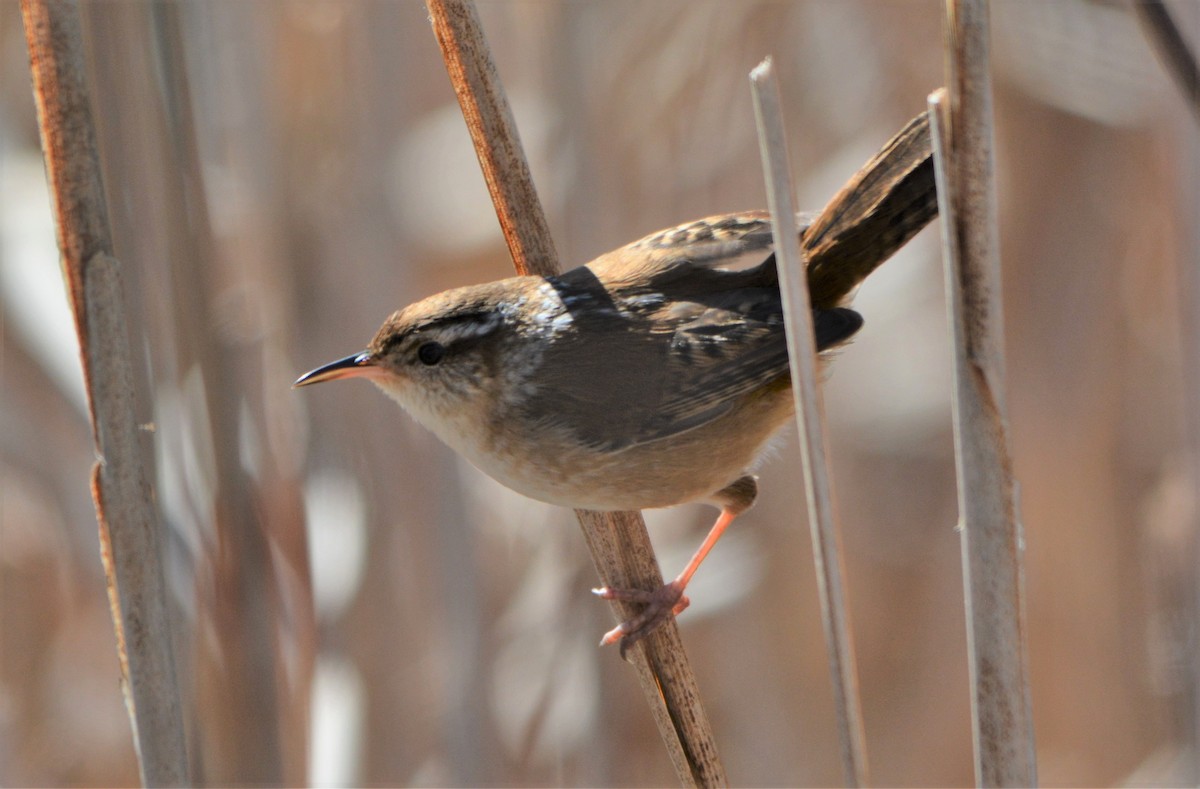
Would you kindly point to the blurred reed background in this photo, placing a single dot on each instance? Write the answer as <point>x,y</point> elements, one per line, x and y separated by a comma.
<point>356,605</point>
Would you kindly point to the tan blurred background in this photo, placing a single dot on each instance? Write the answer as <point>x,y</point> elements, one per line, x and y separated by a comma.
<point>444,634</point>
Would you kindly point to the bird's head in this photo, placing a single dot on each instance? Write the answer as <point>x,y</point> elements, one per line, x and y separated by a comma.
<point>446,355</point>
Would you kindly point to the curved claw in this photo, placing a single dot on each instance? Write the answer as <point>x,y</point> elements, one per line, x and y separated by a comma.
<point>667,600</point>
<point>681,606</point>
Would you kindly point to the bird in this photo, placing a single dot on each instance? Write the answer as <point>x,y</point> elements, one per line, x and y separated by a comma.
<point>652,376</point>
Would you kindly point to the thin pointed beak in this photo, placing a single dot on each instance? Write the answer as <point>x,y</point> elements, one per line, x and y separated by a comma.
<point>354,366</point>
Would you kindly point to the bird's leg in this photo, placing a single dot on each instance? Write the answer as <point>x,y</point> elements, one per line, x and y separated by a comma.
<point>667,599</point>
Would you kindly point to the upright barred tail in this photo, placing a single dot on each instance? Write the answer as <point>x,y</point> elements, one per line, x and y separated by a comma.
<point>884,205</point>
<point>879,209</point>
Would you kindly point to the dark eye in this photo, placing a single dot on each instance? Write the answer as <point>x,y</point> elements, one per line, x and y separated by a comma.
<point>431,353</point>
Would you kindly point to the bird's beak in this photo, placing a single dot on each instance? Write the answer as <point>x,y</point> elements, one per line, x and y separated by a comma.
<point>355,366</point>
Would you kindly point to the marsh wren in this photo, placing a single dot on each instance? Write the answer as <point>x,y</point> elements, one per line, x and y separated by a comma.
<point>653,375</point>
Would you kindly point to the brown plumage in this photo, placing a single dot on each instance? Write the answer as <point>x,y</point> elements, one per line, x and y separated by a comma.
<point>653,375</point>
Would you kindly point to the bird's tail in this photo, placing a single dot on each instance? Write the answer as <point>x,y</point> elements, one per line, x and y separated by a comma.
<point>885,204</point>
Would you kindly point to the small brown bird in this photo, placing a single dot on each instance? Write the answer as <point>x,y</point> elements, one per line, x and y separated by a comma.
<point>649,377</point>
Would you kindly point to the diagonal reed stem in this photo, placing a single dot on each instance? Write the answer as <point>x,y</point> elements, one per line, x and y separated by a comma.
<point>619,542</point>
<point>1172,48</point>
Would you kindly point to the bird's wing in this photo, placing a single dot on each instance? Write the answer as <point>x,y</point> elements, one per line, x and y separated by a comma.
<point>721,240</point>
<point>708,240</point>
<point>879,209</point>
<point>682,348</point>
<point>721,355</point>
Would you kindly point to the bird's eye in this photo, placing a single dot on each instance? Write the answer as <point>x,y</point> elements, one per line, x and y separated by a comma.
<point>431,353</point>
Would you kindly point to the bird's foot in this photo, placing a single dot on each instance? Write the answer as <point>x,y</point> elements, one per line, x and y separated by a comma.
<point>664,601</point>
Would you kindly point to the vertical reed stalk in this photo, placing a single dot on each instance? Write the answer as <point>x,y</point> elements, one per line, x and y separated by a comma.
<point>992,543</point>
<point>818,484</point>
<point>129,528</point>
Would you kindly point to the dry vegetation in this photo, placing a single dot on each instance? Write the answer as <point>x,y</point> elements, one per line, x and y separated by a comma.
<point>444,633</point>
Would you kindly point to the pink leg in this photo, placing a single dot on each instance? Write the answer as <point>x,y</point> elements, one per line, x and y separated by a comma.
<point>714,534</point>
<point>667,599</point>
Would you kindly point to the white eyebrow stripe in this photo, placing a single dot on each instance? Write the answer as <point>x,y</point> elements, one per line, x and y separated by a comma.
<point>467,327</point>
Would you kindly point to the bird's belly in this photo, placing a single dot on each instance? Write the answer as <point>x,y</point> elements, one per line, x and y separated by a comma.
<point>690,466</point>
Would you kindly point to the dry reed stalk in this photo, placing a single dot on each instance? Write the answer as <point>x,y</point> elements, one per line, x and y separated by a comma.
<point>129,529</point>
<point>818,484</point>
<point>992,542</point>
<point>1172,49</point>
<point>239,672</point>
<point>618,541</point>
